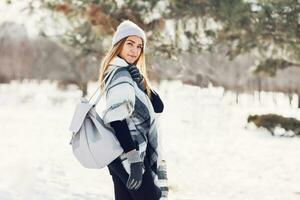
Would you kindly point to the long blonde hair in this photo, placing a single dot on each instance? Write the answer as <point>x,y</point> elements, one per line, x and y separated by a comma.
<point>140,64</point>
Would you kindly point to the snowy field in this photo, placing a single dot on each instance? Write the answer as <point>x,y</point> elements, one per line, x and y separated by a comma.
<point>211,154</point>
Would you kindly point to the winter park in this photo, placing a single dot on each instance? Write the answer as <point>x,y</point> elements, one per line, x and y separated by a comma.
<point>201,97</point>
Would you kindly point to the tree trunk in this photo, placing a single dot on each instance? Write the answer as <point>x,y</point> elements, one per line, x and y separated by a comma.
<point>274,97</point>
<point>298,100</point>
<point>290,95</point>
<point>83,87</point>
<point>259,87</point>
<point>237,97</point>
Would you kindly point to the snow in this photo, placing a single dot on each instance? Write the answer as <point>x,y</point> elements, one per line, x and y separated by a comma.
<point>211,152</point>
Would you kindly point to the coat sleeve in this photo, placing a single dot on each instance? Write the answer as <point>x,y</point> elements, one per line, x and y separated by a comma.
<point>123,134</point>
<point>120,97</point>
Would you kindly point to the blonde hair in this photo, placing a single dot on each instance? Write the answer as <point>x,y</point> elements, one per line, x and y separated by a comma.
<point>113,52</point>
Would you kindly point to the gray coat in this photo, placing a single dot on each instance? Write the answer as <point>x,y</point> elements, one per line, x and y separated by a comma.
<point>124,100</point>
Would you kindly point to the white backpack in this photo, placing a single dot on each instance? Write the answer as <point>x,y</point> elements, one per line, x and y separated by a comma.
<point>94,144</point>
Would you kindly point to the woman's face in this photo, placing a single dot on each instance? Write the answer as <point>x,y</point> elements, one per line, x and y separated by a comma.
<point>132,49</point>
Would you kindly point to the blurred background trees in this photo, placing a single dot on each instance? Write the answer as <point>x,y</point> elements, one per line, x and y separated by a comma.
<point>239,45</point>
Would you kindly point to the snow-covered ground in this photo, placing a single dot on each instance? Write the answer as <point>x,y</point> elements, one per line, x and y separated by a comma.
<point>210,153</point>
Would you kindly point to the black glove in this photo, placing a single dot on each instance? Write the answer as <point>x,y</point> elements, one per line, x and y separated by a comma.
<point>156,102</point>
<point>136,170</point>
<point>137,76</point>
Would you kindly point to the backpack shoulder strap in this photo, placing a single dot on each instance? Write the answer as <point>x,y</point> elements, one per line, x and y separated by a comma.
<point>106,80</point>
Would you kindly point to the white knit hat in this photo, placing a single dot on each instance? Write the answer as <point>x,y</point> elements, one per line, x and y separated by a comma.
<point>127,28</point>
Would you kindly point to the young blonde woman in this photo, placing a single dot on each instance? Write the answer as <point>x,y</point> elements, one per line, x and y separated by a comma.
<point>130,111</point>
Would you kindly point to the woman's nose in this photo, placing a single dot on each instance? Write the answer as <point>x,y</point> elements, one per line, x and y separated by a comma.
<point>134,50</point>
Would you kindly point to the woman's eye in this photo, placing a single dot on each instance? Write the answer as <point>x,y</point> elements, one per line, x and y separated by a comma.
<point>131,44</point>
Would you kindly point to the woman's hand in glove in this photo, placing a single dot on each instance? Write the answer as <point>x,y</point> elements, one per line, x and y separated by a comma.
<point>137,76</point>
<point>136,170</point>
